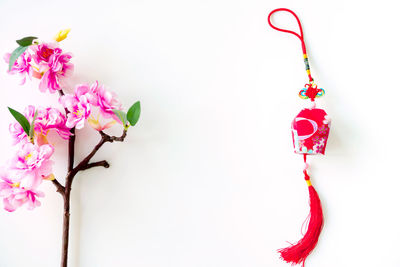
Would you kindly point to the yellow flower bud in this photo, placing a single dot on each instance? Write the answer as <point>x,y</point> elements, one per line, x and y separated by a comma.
<point>61,35</point>
<point>49,177</point>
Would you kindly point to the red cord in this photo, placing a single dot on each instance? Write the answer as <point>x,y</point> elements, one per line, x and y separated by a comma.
<point>300,36</point>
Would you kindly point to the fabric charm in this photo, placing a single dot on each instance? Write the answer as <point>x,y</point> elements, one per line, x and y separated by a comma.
<point>310,131</point>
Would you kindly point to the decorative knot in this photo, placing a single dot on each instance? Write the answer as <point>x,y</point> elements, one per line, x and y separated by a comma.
<point>311,91</point>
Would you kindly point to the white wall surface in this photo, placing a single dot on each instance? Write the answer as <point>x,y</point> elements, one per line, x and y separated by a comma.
<point>208,177</point>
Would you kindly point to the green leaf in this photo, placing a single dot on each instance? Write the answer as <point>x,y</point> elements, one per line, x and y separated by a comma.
<point>121,116</point>
<point>15,55</point>
<point>32,127</point>
<point>27,41</point>
<point>134,113</point>
<point>21,120</point>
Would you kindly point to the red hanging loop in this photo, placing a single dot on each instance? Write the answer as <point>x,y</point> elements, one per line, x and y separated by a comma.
<point>300,36</point>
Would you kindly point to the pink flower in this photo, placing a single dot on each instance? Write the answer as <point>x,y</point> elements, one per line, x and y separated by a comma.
<point>52,118</point>
<point>20,196</point>
<point>22,66</point>
<point>88,92</point>
<point>18,134</point>
<point>31,164</point>
<point>81,104</point>
<point>46,120</point>
<point>6,185</point>
<point>98,126</point>
<point>42,52</point>
<point>15,196</point>
<point>78,106</point>
<point>46,62</point>
<point>53,65</point>
<point>106,101</point>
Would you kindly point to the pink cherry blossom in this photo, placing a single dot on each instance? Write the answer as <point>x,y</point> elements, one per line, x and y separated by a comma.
<point>53,64</point>
<point>106,101</point>
<point>47,119</point>
<point>22,66</point>
<point>87,91</point>
<point>18,134</point>
<point>43,52</point>
<point>99,105</point>
<point>6,185</point>
<point>52,118</point>
<point>99,126</point>
<point>15,196</point>
<point>78,106</point>
<point>21,196</point>
<point>46,62</point>
<point>31,164</point>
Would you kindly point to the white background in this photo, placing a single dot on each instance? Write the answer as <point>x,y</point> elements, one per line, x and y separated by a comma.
<point>208,177</point>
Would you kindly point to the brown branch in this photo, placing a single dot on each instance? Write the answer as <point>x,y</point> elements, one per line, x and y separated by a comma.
<point>83,165</point>
<point>60,188</point>
<point>102,163</point>
<point>71,150</point>
<point>114,138</point>
<point>65,191</point>
<point>65,233</point>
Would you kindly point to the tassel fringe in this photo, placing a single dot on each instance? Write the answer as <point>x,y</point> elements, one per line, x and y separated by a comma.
<point>298,252</point>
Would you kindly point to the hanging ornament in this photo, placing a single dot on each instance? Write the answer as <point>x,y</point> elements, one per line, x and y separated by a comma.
<point>310,130</point>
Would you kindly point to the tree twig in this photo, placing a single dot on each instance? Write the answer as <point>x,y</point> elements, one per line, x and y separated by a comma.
<point>71,150</point>
<point>102,163</point>
<point>60,187</point>
<point>104,139</point>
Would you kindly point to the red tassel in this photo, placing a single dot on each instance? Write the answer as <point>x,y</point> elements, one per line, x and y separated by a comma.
<point>299,252</point>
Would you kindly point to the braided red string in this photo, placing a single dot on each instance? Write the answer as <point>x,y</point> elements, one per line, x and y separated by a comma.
<point>300,36</point>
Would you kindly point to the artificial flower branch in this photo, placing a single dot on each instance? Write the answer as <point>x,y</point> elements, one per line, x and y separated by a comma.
<point>84,164</point>
<point>88,104</point>
<point>66,190</point>
<point>60,187</point>
<point>102,163</point>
